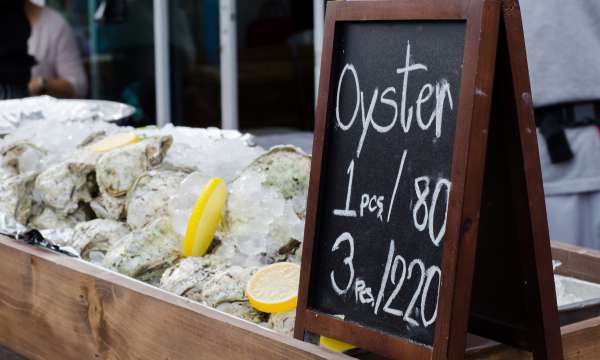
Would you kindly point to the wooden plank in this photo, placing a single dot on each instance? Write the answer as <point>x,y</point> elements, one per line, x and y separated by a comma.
<point>580,342</point>
<point>577,262</point>
<point>52,306</point>
<point>55,307</point>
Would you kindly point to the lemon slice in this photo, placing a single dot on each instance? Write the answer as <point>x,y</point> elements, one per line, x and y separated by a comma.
<point>205,218</point>
<point>335,345</point>
<point>274,288</point>
<point>114,141</point>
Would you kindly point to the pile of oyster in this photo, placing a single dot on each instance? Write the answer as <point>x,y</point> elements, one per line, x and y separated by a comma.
<point>111,207</point>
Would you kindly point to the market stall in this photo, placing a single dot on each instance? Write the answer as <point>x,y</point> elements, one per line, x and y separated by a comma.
<point>420,238</point>
<point>70,304</point>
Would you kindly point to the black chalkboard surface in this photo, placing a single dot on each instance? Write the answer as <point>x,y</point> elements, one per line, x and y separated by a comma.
<point>387,161</point>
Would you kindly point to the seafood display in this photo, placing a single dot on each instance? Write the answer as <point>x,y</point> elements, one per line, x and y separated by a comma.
<point>106,192</point>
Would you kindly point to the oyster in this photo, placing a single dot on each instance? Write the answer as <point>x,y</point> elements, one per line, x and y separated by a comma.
<point>188,276</point>
<point>283,323</point>
<point>93,238</point>
<point>226,286</point>
<point>128,189</point>
<point>210,280</point>
<point>149,196</point>
<point>92,138</point>
<point>16,198</point>
<point>109,207</point>
<point>63,186</point>
<point>22,157</point>
<point>264,221</point>
<point>145,253</point>
<point>49,218</point>
<point>6,172</point>
<point>117,170</point>
<point>243,310</point>
<point>287,170</point>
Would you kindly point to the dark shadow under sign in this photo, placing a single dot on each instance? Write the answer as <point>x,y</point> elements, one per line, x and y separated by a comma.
<point>425,187</point>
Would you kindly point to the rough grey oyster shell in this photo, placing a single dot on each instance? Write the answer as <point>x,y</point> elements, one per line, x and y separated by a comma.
<point>145,253</point>
<point>109,207</point>
<point>49,218</point>
<point>283,323</point>
<point>264,220</point>
<point>148,197</point>
<point>93,238</point>
<point>228,285</point>
<point>21,157</point>
<point>16,198</point>
<point>188,276</point>
<point>117,170</point>
<point>63,186</point>
<point>243,310</point>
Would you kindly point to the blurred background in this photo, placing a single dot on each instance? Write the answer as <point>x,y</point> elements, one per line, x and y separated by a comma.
<point>274,67</point>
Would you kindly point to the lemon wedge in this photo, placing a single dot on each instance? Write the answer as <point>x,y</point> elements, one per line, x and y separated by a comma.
<point>274,288</point>
<point>114,141</point>
<point>335,345</point>
<point>205,218</point>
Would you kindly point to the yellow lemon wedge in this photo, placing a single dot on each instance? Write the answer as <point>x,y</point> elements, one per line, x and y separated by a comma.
<point>205,218</point>
<point>335,345</point>
<point>274,288</point>
<point>114,142</point>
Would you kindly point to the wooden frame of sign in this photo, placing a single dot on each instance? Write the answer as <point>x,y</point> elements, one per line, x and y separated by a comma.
<point>495,273</point>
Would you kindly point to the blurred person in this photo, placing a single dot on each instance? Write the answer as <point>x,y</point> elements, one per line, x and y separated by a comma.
<point>59,71</point>
<point>563,49</point>
<point>15,62</point>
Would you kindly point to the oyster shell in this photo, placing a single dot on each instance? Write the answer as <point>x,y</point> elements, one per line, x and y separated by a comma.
<point>148,197</point>
<point>21,157</point>
<point>283,323</point>
<point>93,238</point>
<point>145,253</point>
<point>226,286</point>
<point>63,186</point>
<point>6,173</point>
<point>264,221</point>
<point>118,170</point>
<point>243,310</point>
<point>210,280</point>
<point>49,218</point>
<point>16,198</point>
<point>188,276</point>
<point>109,207</point>
<point>92,138</point>
<point>287,170</point>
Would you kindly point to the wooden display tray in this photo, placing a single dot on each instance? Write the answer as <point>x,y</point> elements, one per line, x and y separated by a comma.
<point>56,307</point>
<point>581,340</point>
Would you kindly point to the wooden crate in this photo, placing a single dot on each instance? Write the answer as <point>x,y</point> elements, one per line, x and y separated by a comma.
<point>581,341</point>
<point>56,307</point>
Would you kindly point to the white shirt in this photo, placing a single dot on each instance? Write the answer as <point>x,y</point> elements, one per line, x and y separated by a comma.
<point>53,45</point>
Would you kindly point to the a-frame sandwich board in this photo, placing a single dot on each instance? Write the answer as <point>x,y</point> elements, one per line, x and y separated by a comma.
<point>496,271</point>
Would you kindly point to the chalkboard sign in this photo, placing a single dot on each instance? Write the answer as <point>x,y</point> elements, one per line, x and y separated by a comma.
<point>399,171</point>
<point>386,180</point>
